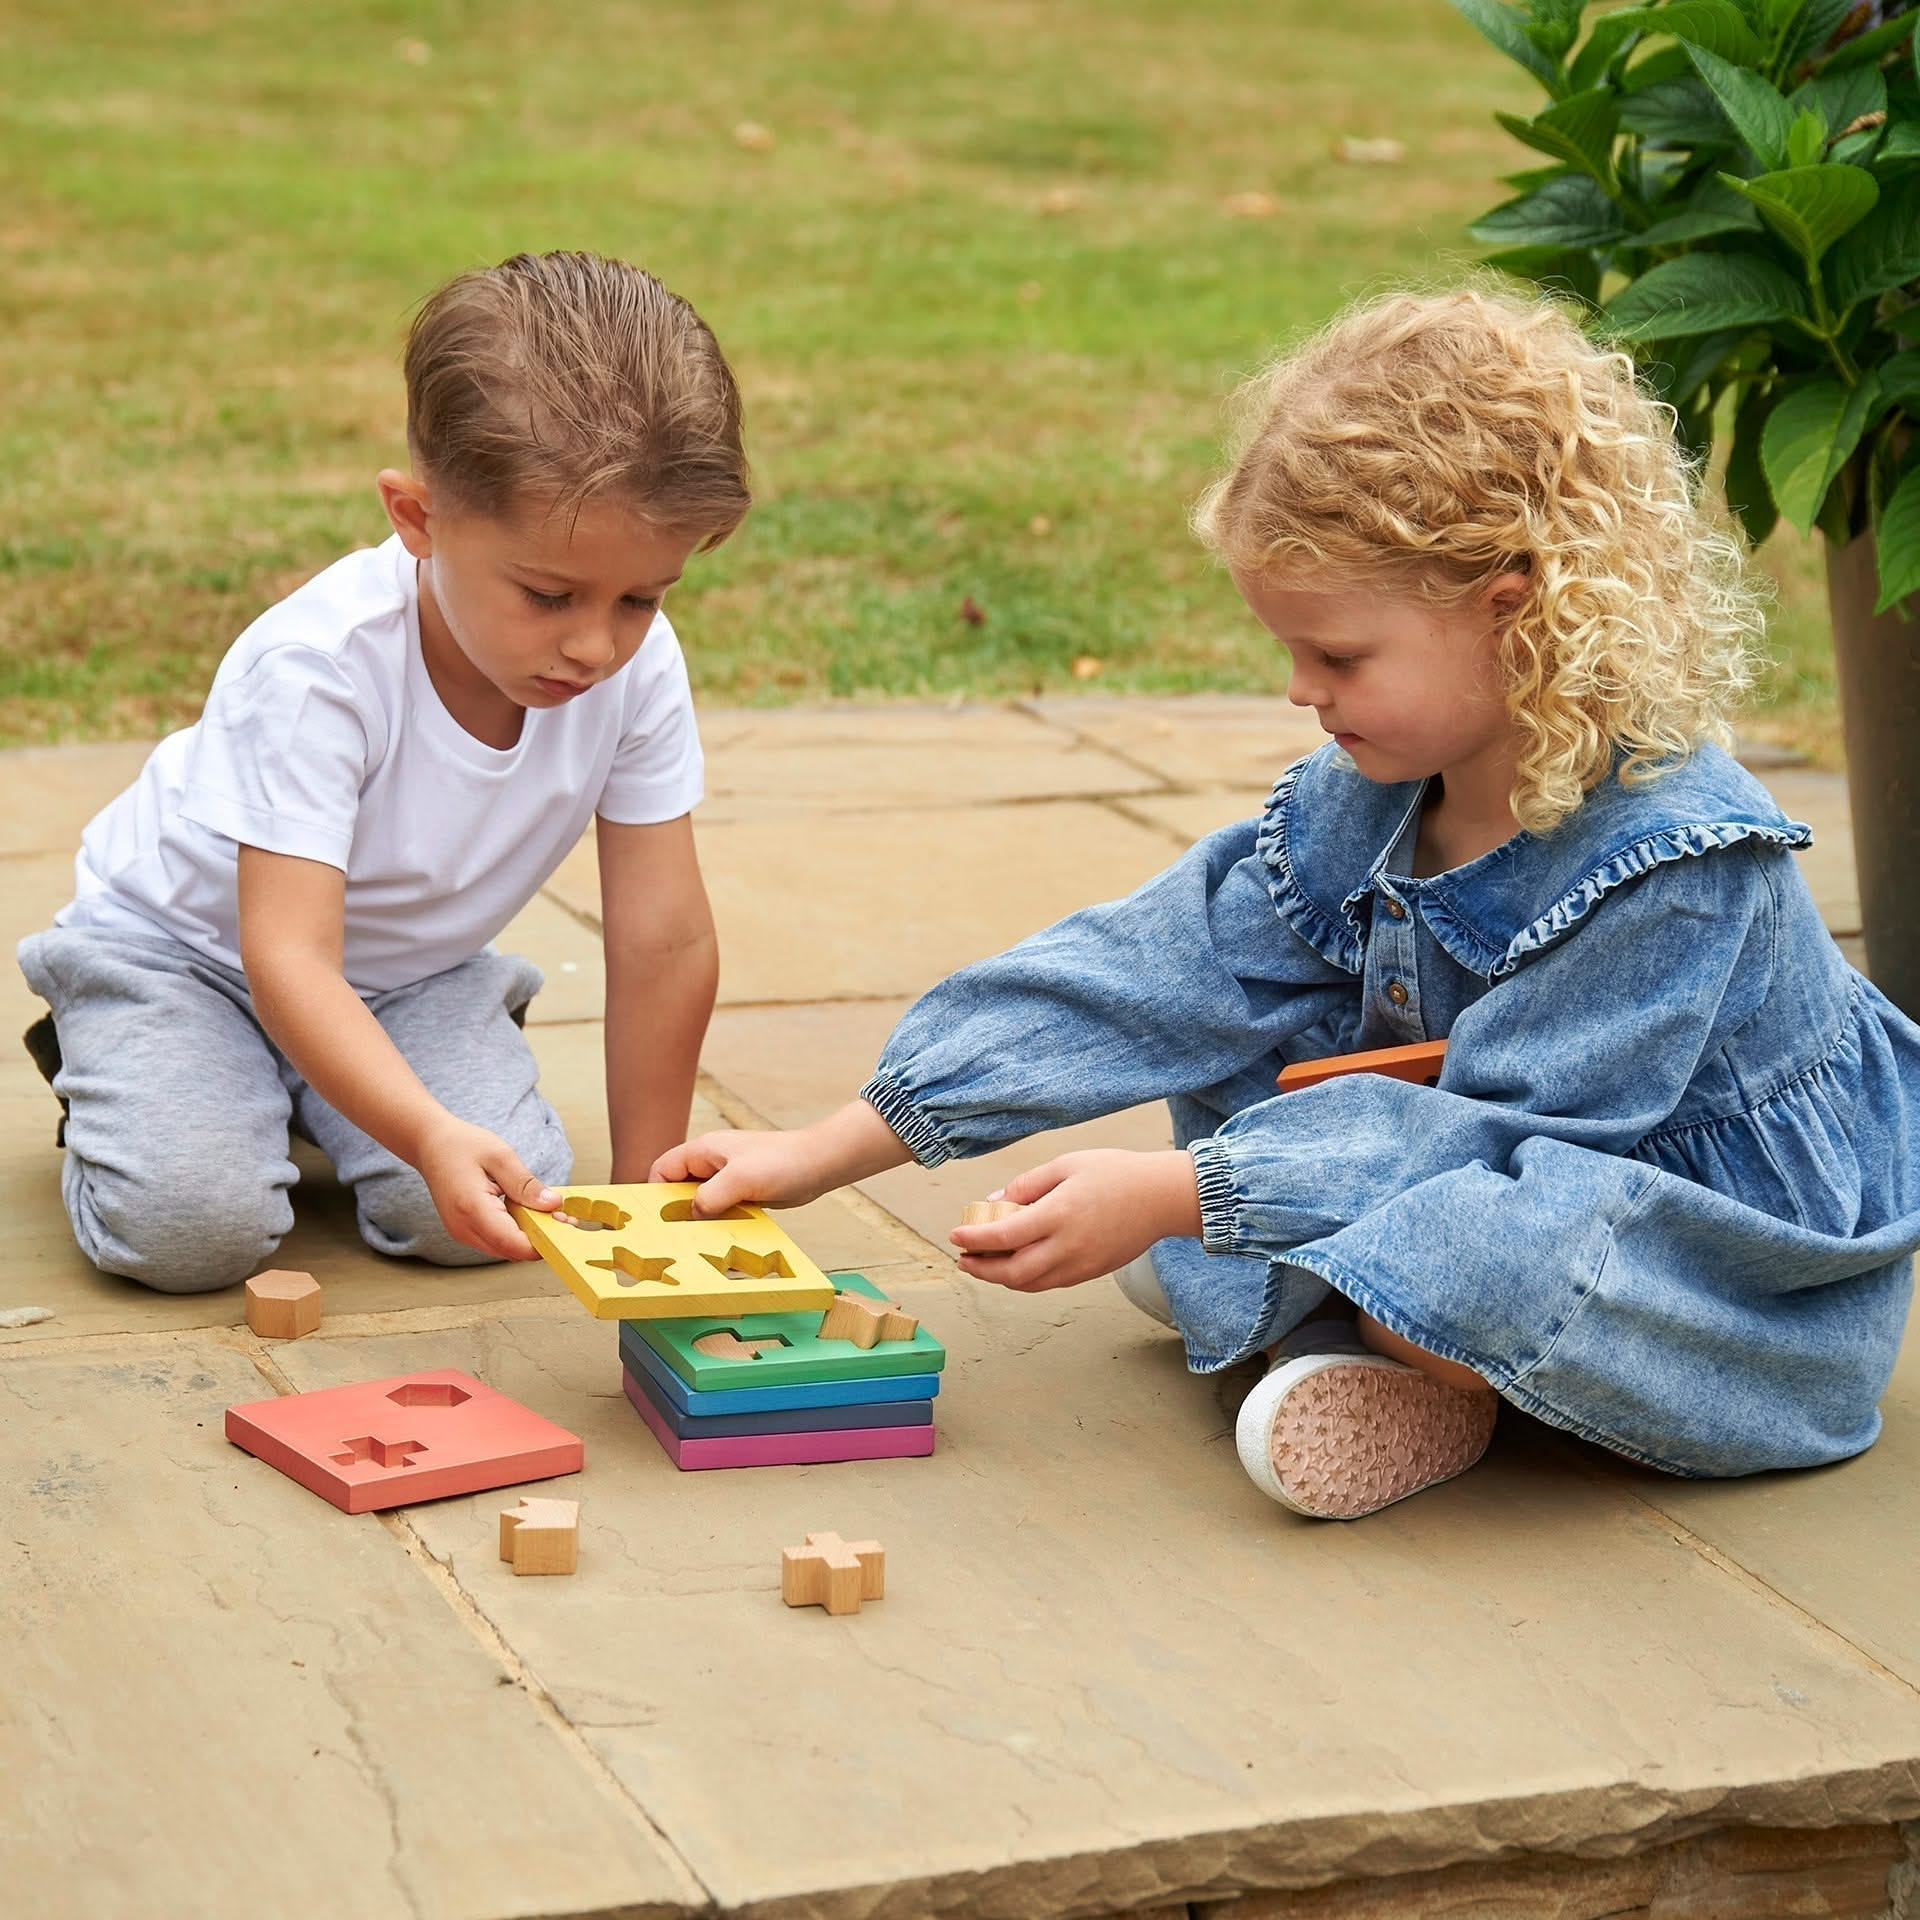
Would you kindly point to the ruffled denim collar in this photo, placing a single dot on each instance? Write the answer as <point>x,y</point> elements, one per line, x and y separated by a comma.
<point>1328,832</point>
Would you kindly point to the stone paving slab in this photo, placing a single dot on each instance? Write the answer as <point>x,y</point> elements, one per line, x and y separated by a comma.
<point>1108,1675</point>
<point>859,758</point>
<point>223,1698</point>
<point>839,906</point>
<point>1039,1690</point>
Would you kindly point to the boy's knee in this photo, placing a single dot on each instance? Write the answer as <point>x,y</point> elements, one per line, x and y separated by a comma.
<point>172,1241</point>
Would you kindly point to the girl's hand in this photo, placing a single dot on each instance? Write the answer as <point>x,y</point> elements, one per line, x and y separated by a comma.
<point>783,1169</point>
<point>771,1168</point>
<point>1080,1217</point>
<point>472,1175</point>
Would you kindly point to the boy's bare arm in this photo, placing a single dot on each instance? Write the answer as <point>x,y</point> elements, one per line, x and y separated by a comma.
<point>292,946</point>
<point>663,967</point>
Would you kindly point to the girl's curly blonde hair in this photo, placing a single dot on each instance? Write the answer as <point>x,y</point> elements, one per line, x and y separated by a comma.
<point>1425,443</point>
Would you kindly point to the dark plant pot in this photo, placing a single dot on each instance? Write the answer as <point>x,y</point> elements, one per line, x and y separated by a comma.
<point>1877,662</point>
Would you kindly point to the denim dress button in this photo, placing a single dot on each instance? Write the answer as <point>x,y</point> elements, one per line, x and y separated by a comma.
<point>1397,993</point>
<point>1395,909</point>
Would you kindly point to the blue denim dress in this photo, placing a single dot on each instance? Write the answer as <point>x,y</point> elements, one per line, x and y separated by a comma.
<point>1665,1194</point>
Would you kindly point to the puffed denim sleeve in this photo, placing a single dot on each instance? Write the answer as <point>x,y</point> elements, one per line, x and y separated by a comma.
<point>1182,985</point>
<point>1592,1043</point>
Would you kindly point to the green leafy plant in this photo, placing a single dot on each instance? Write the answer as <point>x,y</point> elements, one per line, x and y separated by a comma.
<point>1734,190</point>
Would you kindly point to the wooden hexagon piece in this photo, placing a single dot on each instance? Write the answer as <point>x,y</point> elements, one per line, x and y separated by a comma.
<point>283,1305</point>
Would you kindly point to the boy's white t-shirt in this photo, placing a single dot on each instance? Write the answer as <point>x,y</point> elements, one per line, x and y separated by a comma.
<point>323,737</point>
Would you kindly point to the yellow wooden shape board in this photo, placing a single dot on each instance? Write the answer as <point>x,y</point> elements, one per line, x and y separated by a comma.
<point>637,1253</point>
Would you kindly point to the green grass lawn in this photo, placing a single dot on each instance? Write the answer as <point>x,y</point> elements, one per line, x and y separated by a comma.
<point>985,290</point>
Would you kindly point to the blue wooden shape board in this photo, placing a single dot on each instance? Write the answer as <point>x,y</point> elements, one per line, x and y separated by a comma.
<point>643,1363</point>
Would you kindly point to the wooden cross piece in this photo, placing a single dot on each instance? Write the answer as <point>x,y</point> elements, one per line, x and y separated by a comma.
<point>833,1573</point>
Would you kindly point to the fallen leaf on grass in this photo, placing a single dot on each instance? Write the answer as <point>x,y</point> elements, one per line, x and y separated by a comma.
<point>1089,667</point>
<point>972,612</point>
<point>753,136</point>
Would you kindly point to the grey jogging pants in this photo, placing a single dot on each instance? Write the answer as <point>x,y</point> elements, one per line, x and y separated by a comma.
<point>179,1106</point>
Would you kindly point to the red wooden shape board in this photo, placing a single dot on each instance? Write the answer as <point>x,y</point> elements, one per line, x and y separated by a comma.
<point>388,1443</point>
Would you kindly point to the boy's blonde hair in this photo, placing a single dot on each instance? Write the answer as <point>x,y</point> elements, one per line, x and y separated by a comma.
<point>558,378</point>
<point>1425,443</point>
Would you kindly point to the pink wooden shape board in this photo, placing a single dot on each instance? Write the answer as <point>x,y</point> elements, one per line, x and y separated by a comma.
<point>389,1443</point>
<point>781,1449</point>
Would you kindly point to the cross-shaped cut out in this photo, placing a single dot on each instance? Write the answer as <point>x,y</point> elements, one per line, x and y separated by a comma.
<point>833,1573</point>
<point>382,1453</point>
<point>727,1343</point>
<point>866,1322</point>
<point>742,1263</point>
<point>630,1268</point>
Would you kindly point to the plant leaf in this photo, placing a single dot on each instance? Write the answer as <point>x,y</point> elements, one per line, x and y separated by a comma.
<point>1806,139</point>
<point>1554,25</point>
<point>1869,45</point>
<point>1702,293</point>
<point>1710,210</point>
<point>1677,113</point>
<point>1677,378</point>
<point>1745,481</point>
<point>1759,112</point>
<point>1810,207</point>
<point>1897,544</point>
<point>1902,141</point>
<point>1578,130</point>
<point>1506,28</point>
<point>1841,98</point>
<point>1559,269</point>
<point>1606,43</point>
<point>1568,212</point>
<point>1900,378</point>
<point>1817,26</point>
<point>1717,25</point>
<point>1882,252</point>
<point>1809,437</point>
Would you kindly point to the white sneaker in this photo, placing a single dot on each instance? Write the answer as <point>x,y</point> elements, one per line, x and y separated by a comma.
<point>1339,1435</point>
<point>1138,1281</point>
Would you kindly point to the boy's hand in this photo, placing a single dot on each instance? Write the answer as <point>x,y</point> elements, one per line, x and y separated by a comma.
<point>773,1169</point>
<point>1080,1217</point>
<point>472,1175</point>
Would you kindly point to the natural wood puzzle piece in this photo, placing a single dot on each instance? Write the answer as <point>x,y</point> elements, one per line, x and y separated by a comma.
<point>1419,1063</point>
<point>637,1252</point>
<point>283,1306</point>
<point>388,1443</point>
<point>976,1213</point>
<point>833,1573</point>
<point>866,1322</point>
<point>541,1536</point>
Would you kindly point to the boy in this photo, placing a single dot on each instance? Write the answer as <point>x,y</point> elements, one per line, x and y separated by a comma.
<point>286,920</point>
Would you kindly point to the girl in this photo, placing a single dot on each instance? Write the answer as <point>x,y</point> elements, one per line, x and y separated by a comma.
<point>1663,1194</point>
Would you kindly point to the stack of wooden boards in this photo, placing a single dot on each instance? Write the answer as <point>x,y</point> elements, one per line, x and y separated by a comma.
<point>735,1349</point>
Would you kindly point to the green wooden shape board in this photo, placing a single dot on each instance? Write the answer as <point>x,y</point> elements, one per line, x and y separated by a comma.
<point>636,1252</point>
<point>796,1354</point>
